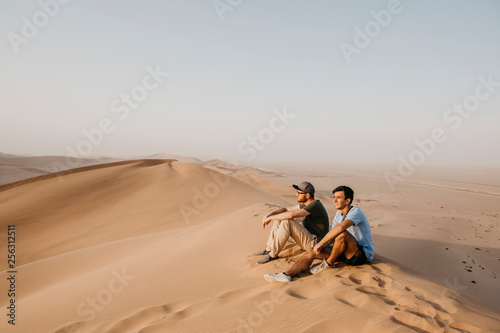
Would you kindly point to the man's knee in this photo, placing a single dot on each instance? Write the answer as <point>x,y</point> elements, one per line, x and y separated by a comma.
<point>341,237</point>
<point>351,244</point>
<point>346,237</point>
<point>342,240</point>
<point>285,224</point>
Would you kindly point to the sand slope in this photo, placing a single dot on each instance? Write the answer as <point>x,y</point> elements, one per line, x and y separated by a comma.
<point>162,246</point>
<point>98,204</point>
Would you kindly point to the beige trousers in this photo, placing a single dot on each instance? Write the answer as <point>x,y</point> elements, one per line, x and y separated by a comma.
<point>284,229</point>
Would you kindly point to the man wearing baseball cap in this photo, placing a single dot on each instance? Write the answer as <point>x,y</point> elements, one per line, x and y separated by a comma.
<point>306,234</point>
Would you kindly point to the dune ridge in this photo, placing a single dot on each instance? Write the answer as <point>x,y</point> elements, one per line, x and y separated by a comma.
<point>73,171</point>
<point>15,168</point>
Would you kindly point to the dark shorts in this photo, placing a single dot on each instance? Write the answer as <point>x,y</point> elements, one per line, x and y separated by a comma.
<point>359,258</point>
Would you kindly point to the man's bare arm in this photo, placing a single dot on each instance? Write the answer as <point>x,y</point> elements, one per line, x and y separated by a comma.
<point>330,236</point>
<point>287,215</point>
<point>277,211</point>
<point>281,210</point>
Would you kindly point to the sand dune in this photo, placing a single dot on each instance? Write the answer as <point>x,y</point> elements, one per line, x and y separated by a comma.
<point>103,203</point>
<point>163,246</point>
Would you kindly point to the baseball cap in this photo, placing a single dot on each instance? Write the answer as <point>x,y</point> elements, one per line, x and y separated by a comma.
<point>305,187</point>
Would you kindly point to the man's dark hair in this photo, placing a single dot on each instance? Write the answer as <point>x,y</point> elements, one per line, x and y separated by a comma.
<point>349,193</point>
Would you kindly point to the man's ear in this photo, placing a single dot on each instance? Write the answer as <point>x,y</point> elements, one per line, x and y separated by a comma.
<point>350,201</point>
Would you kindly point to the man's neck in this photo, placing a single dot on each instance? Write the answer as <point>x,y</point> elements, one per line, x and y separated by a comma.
<point>345,210</point>
<point>307,202</point>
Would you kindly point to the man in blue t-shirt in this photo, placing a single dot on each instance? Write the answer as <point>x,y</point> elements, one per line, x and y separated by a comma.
<point>350,234</point>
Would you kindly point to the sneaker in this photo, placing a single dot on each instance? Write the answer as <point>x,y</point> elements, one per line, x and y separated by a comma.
<point>262,253</point>
<point>320,267</point>
<point>267,259</point>
<point>280,277</point>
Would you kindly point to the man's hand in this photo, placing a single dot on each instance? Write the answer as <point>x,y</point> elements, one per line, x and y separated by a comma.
<point>265,221</point>
<point>317,248</point>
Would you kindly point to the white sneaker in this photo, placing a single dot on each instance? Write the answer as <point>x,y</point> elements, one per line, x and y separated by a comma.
<point>320,267</point>
<point>280,277</point>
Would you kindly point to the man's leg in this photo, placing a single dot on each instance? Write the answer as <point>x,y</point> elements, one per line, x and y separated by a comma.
<point>302,236</point>
<point>272,234</point>
<point>280,236</point>
<point>281,232</point>
<point>344,243</point>
<point>306,260</point>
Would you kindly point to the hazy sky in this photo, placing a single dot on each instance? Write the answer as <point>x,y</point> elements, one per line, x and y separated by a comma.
<point>253,81</point>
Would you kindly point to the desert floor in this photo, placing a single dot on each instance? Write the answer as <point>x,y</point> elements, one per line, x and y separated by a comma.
<point>158,245</point>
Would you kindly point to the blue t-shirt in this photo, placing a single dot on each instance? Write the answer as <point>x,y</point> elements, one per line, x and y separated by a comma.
<point>360,230</point>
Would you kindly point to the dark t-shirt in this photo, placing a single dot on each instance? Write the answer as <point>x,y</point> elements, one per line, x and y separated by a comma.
<point>317,220</point>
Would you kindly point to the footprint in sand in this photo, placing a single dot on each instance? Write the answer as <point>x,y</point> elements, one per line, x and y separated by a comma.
<point>443,304</point>
<point>382,268</point>
<point>409,306</point>
<point>419,324</point>
<point>383,281</point>
<point>233,295</point>
<point>439,303</point>
<point>139,319</point>
<point>134,322</point>
<point>173,311</point>
<point>343,273</point>
<point>330,281</point>
<point>404,301</point>
<point>348,282</point>
<point>356,299</point>
<point>464,327</point>
<point>365,297</point>
<point>361,278</point>
<point>366,291</point>
<point>306,289</point>
<point>422,311</point>
<point>374,291</point>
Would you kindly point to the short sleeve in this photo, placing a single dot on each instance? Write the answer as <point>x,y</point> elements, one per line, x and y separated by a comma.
<point>309,208</point>
<point>355,215</point>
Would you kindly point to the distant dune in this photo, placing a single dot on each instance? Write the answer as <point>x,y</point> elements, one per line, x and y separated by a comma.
<point>12,173</point>
<point>14,168</point>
